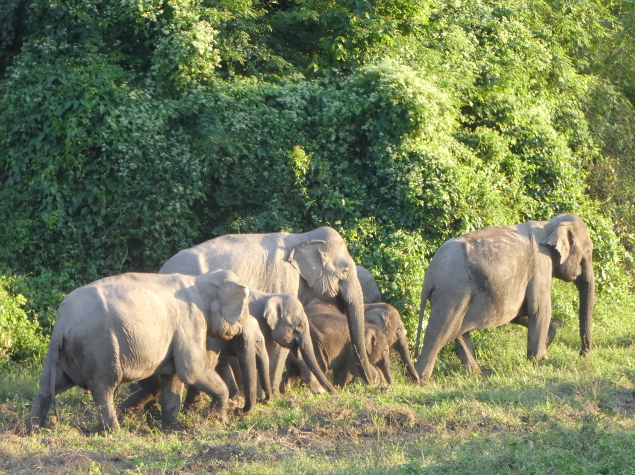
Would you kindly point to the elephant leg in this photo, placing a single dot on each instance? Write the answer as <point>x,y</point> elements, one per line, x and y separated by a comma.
<point>463,345</point>
<point>192,399</point>
<point>226,372</point>
<point>524,321</point>
<point>193,368</point>
<point>342,376</point>
<point>149,390</point>
<point>103,397</point>
<point>208,380</point>
<point>277,361</point>
<point>37,416</point>
<point>444,326</point>
<point>539,318</point>
<point>170,400</point>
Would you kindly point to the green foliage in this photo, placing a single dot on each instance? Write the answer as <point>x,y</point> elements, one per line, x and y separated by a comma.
<point>19,336</point>
<point>130,130</point>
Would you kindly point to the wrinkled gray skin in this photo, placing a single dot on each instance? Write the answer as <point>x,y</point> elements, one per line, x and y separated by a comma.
<point>386,317</point>
<point>310,265</point>
<point>333,348</point>
<point>248,347</point>
<point>131,326</point>
<point>503,274</point>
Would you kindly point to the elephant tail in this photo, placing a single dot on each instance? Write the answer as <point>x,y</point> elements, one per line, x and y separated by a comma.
<point>425,296</point>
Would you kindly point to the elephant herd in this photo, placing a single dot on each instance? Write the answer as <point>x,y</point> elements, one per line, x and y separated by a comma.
<point>240,309</point>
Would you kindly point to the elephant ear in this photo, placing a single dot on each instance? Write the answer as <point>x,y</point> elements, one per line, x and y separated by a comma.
<point>560,239</point>
<point>233,300</point>
<point>371,339</point>
<point>309,259</point>
<point>272,312</point>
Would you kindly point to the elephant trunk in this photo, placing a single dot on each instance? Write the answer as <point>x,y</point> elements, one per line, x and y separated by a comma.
<point>384,366</point>
<point>306,347</point>
<point>353,302</point>
<point>586,286</point>
<point>401,345</point>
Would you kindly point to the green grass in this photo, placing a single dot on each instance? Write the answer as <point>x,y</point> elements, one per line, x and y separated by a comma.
<point>566,415</point>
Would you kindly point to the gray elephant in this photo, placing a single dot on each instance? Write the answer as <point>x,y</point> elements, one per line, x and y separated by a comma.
<point>370,289</point>
<point>384,316</point>
<point>310,265</point>
<point>333,348</point>
<point>249,349</point>
<point>279,319</point>
<point>387,317</point>
<point>503,274</point>
<point>131,326</point>
<point>283,322</point>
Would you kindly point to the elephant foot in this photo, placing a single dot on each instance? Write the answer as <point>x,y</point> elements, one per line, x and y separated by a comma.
<point>218,410</point>
<point>172,427</point>
<point>316,388</point>
<point>242,411</point>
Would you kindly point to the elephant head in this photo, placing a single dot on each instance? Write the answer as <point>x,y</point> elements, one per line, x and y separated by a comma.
<point>289,326</point>
<point>387,317</point>
<point>329,273</point>
<point>227,300</point>
<point>378,350</point>
<point>566,238</point>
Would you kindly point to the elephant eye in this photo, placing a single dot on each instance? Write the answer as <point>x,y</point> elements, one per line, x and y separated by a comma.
<point>345,272</point>
<point>300,327</point>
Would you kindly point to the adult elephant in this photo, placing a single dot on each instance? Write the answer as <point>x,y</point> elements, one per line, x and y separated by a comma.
<point>310,265</point>
<point>370,289</point>
<point>132,326</point>
<point>501,274</point>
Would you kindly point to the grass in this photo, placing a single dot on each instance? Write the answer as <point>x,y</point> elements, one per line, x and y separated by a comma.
<point>566,415</point>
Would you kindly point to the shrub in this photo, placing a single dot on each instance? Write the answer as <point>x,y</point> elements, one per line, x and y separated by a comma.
<point>19,336</point>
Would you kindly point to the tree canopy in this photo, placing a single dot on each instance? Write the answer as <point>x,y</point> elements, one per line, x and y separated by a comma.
<point>132,129</point>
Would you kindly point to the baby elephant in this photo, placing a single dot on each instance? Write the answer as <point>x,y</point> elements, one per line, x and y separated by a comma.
<point>131,326</point>
<point>333,348</point>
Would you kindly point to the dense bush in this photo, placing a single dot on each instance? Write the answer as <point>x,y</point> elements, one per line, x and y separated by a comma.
<point>130,130</point>
<point>19,336</point>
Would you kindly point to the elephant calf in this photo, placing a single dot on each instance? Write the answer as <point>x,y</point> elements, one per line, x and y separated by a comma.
<point>131,326</point>
<point>334,351</point>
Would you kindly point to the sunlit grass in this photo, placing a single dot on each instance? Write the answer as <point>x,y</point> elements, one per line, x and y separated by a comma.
<point>568,414</point>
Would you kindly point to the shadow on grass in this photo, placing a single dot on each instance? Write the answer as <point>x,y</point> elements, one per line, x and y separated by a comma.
<point>588,449</point>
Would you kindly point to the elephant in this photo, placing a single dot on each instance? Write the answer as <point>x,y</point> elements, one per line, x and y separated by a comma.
<point>370,289</point>
<point>334,351</point>
<point>385,317</point>
<point>283,321</point>
<point>311,265</point>
<point>249,349</point>
<point>279,319</point>
<point>503,274</point>
<point>131,326</point>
